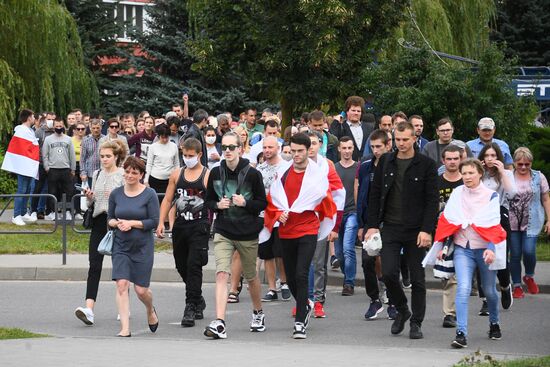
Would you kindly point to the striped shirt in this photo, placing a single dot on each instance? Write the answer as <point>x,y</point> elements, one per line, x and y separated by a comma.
<point>89,155</point>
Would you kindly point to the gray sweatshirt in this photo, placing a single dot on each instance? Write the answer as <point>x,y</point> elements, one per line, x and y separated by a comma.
<point>58,152</point>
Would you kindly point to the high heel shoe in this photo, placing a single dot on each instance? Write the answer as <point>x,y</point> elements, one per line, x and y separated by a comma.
<point>124,336</point>
<point>153,327</point>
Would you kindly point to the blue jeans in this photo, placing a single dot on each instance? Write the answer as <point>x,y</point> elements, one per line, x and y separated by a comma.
<point>520,244</point>
<point>23,187</point>
<point>466,260</point>
<point>344,247</point>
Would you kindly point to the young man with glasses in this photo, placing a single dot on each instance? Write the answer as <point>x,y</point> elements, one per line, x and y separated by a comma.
<point>112,134</point>
<point>236,193</point>
<point>444,130</point>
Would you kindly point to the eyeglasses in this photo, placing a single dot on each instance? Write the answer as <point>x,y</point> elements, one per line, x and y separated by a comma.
<point>113,126</point>
<point>444,131</point>
<point>231,147</point>
<point>80,128</point>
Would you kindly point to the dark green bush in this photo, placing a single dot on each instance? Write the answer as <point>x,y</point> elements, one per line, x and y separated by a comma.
<point>8,183</point>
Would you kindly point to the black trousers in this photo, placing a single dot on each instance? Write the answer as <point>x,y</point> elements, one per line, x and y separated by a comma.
<point>99,229</point>
<point>503,275</point>
<point>159,186</point>
<point>190,249</point>
<point>60,182</point>
<point>368,263</point>
<point>297,256</point>
<point>395,238</point>
<point>42,180</point>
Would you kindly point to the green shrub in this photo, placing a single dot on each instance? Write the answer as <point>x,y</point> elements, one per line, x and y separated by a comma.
<point>8,183</point>
<point>539,143</point>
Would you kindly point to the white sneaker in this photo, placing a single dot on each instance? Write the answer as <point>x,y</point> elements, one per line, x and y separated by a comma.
<point>78,216</point>
<point>28,218</point>
<point>68,216</point>
<point>18,221</point>
<point>50,217</point>
<point>33,217</point>
<point>85,315</point>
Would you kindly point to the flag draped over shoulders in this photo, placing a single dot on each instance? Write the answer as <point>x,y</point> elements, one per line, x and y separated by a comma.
<point>486,223</point>
<point>23,153</point>
<point>315,194</point>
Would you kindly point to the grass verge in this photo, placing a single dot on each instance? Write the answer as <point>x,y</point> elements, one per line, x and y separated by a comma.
<point>15,333</point>
<point>49,243</point>
<point>490,362</point>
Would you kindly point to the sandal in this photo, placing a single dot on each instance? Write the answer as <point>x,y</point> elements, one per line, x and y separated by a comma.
<point>233,297</point>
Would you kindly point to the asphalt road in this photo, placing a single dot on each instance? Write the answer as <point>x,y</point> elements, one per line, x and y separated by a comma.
<point>343,337</point>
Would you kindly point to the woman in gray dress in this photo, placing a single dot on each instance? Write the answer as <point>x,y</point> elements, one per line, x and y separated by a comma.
<point>134,213</point>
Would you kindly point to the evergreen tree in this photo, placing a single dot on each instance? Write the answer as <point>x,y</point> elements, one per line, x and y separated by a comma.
<point>524,26</point>
<point>103,55</point>
<point>164,68</point>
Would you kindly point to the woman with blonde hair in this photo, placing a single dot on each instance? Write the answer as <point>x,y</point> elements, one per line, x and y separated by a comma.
<point>243,135</point>
<point>527,210</point>
<point>106,179</point>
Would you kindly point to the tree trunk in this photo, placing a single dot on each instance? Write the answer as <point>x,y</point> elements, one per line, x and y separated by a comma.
<point>287,107</point>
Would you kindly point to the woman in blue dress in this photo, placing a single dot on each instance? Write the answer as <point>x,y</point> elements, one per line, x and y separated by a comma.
<point>134,214</point>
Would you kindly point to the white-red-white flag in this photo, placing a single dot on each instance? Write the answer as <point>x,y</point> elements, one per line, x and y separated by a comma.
<point>23,154</point>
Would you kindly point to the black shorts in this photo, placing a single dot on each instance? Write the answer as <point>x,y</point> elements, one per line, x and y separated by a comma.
<point>271,248</point>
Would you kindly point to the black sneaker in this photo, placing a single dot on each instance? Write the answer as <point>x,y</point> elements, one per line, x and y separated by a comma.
<point>392,312</point>
<point>407,283</point>
<point>399,323</point>
<point>188,319</point>
<point>449,321</point>
<point>484,311</point>
<point>285,292</point>
<point>299,331</point>
<point>416,331</point>
<point>374,309</point>
<point>494,332</point>
<point>199,309</point>
<point>506,297</point>
<point>460,341</point>
<point>270,296</point>
<point>334,262</point>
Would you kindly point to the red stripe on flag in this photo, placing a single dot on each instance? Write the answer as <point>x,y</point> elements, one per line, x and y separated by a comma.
<point>24,147</point>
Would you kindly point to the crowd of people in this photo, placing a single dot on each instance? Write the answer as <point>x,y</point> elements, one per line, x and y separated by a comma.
<point>300,201</point>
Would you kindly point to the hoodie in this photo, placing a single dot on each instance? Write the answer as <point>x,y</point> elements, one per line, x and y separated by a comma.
<point>237,223</point>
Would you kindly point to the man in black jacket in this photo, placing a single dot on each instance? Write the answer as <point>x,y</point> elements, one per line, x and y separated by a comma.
<point>235,191</point>
<point>403,203</point>
<point>353,127</point>
<point>200,120</point>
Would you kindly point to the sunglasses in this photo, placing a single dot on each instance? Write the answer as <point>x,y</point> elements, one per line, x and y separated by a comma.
<point>231,147</point>
<point>80,128</point>
<point>523,164</point>
<point>129,132</point>
<point>113,126</point>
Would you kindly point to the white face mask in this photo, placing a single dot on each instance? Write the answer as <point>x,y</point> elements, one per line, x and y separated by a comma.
<point>210,139</point>
<point>191,162</point>
<point>49,124</point>
<point>286,156</point>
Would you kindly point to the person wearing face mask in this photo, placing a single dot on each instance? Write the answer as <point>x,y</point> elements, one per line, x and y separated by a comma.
<point>186,191</point>
<point>59,160</point>
<point>213,149</point>
<point>41,185</point>
<point>285,152</point>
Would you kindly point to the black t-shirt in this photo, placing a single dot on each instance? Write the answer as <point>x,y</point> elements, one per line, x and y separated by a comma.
<point>445,189</point>
<point>394,204</point>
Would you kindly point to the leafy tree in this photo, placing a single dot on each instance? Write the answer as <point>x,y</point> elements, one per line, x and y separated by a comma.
<point>98,30</point>
<point>41,64</point>
<point>417,82</point>
<point>524,26</point>
<point>164,66</point>
<point>300,53</point>
<point>539,143</point>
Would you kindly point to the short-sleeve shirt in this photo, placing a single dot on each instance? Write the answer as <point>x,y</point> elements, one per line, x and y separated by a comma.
<point>519,205</point>
<point>476,145</point>
<point>445,189</point>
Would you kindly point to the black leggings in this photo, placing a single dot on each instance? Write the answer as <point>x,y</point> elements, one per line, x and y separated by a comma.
<point>99,229</point>
<point>297,256</point>
<point>503,275</point>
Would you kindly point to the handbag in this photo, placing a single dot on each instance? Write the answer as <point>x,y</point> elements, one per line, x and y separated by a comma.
<point>88,218</point>
<point>445,268</point>
<point>106,245</point>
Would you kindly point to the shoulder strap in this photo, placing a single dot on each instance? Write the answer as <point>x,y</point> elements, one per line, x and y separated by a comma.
<point>241,177</point>
<point>222,178</point>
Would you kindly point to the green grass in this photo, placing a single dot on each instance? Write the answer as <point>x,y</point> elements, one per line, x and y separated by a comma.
<point>49,243</point>
<point>14,333</point>
<point>478,360</point>
<point>543,248</point>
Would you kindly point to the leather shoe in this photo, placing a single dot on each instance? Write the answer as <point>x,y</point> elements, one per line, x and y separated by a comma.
<point>416,331</point>
<point>153,327</point>
<point>124,336</point>
<point>399,323</point>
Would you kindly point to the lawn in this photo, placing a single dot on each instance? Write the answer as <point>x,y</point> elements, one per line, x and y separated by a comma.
<point>49,243</point>
<point>476,360</point>
<point>14,333</point>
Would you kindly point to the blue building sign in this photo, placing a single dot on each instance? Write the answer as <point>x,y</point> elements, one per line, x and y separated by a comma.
<point>539,88</point>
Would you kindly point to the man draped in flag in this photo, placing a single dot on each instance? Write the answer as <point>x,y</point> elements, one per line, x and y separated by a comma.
<point>300,200</point>
<point>22,158</point>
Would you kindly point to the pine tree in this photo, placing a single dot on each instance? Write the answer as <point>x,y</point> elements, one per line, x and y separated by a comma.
<point>525,28</point>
